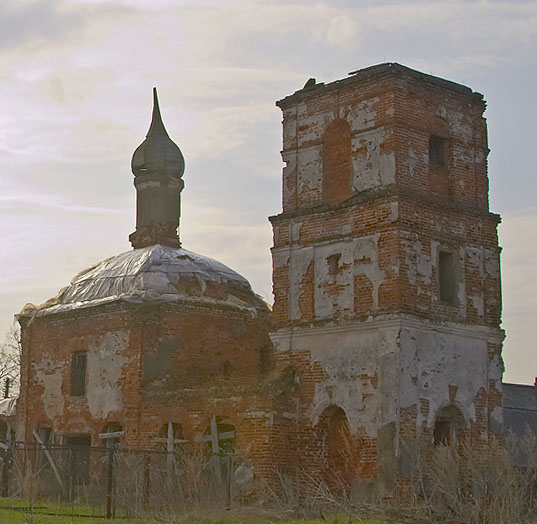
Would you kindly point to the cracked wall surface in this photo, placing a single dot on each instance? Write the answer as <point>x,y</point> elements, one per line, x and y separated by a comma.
<point>400,269</point>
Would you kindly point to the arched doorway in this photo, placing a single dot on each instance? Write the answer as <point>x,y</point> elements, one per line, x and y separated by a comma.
<point>336,450</point>
<point>449,426</point>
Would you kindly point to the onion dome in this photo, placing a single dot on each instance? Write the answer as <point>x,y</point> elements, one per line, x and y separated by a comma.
<point>158,153</point>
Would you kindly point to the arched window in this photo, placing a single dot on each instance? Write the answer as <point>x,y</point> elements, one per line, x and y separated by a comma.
<point>337,161</point>
<point>449,425</point>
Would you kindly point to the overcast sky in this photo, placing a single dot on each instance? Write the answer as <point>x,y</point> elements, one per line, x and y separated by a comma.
<point>75,101</point>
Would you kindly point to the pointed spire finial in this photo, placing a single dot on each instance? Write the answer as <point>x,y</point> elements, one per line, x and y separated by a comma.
<point>157,126</point>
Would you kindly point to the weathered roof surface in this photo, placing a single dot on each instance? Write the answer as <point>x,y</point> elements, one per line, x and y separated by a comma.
<point>155,273</point>
<point>376,71</point>
<point>519,408</point>
<point>519,414</point>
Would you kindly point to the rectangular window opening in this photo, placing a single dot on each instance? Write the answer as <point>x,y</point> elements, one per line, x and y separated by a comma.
<point>447,277</point>
<point>437,151</point>
<point>78,374</point>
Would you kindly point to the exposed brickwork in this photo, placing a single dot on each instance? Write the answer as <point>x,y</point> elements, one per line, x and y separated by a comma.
<point>415,150</point>
<point>371,336</point>
<point>148,365</point>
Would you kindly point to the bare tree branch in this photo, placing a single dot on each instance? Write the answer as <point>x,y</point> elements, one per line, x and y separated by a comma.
<point>10,360</point>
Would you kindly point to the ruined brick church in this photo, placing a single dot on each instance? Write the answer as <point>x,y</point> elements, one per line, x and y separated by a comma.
<point>385,327</point>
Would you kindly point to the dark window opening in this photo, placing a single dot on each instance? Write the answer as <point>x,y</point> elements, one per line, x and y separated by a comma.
<point>449,426</point>
<point>333,264</point>
<point>78,374</point>
<point>79,458</point>
<point>437,151</point>
<point>447,277</point>
<point>45,434</point>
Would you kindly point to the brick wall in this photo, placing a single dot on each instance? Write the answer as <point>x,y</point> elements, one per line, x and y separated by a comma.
<point>386,173</point>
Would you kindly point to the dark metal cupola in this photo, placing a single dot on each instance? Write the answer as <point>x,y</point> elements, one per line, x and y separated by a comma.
<point>157,165</point>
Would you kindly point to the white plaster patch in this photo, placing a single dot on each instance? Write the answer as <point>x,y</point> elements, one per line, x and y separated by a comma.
<point>478,304</point>
<point>301,258</point>
<point>350,359</point>
<point>492,263</point>
<point>280,258</point>
<point>460,126</point>
<point>311,128</point>
<point>105,366</point>
<point>360,116</point>
<point>475,258</point>
<point>366,263</point>
<point>437,360</point>
<point>371,166</point>
<point>327,302</point>
<point>295,230</point>
<point>309,174</point>
<point>496,369</point>
<point>49,376</point>
<point>394,211</point>
<point>289,128</point>
<point>289,173</point>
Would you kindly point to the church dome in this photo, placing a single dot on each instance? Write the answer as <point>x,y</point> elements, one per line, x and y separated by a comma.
<point>157,269</point>
<point>154,274</point>
<point>158,154</point>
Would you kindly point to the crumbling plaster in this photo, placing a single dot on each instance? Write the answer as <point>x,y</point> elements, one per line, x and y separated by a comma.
<point>358,256</point>
<point>48,375</point>
<point>359,362</point>
<point>372,165</point>
<point>106,364</point>
<point>433,359</point>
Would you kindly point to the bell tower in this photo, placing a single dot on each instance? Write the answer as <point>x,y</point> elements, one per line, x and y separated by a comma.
<point>386,270</point>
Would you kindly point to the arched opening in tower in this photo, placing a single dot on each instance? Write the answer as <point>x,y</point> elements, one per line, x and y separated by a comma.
<point>337,161</point>
<point>449,426</point>
<point>337,460</point>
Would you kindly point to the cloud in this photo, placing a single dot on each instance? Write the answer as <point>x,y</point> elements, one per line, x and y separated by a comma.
<point>75,101</point>
<point>342,30</point>
<point>31,22</point>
